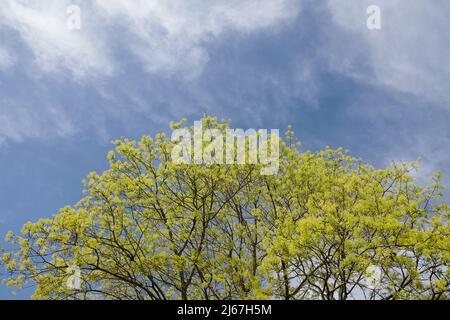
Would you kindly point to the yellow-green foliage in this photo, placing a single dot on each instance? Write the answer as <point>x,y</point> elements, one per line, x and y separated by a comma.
<point>150,229</point>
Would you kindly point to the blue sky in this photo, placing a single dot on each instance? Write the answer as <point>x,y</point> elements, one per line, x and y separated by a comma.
<point>134,66</point>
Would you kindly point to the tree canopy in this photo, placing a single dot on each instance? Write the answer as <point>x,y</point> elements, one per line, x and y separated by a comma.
<point>148,228</point>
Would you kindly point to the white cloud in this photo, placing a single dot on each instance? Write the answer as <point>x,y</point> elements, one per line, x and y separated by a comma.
<point>42,27</point>
<point>167,36</point>
<point>408,54</point>
<point>170,36</point>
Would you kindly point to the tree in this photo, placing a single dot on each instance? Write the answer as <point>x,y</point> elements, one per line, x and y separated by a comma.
<point>151,229</point>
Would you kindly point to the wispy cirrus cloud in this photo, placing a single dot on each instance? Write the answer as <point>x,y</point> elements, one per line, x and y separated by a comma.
<point>19,122</point>
<point>406,67</point>
<point>166,36</point>
<point>409,54</point>
<point>172,36</point>
<point>163,39</point>
<point>42,27</point>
